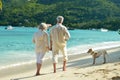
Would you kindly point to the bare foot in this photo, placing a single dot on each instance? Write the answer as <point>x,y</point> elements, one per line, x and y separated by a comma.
<point>104,62</point>
<point>64,69</point>
<point>93,63</point>
<point>37,74</point>
<point>54,72</point>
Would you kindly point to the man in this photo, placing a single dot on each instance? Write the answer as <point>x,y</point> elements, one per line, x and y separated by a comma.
<point>58,40</point>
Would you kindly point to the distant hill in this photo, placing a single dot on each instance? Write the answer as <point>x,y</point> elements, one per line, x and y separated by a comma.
<point>82,14</point>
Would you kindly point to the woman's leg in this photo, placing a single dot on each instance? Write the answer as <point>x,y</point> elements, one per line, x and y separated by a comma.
<point>38,69</point>
<point>39,62</point>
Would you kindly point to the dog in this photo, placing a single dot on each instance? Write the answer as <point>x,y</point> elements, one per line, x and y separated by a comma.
<point>97,53</point>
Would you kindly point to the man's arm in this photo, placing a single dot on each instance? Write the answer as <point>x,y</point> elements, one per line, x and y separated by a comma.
<point>50,42</point>
<point>67,34</point>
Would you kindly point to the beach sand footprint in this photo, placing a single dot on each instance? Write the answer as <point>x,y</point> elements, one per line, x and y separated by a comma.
<point>116,78</point>
<point>81,74</point>
<point>105,71</point>
<point>117,64</point>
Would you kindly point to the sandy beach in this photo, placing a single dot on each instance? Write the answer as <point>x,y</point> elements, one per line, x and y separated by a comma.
<point>79,67</point>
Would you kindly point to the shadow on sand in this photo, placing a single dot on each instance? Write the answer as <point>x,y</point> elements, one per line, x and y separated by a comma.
<point>29,76</point>
<point>83,63</point>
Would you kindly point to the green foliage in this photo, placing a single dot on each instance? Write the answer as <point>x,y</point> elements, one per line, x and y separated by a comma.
<point>82,14</point>
<point>0,5</point>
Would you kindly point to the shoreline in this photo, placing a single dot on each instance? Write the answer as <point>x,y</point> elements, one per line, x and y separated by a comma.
<point>71,51</point>
<point>9,73</point>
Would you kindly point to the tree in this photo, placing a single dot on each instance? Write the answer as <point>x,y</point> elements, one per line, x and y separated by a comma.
<point>82,14</point>
<point>0,5</point>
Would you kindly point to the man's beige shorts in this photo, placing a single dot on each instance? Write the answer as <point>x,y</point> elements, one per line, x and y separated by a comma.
<point>55,53</point>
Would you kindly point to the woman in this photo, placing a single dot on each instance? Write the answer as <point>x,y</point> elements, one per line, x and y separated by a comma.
<point>40,39</point>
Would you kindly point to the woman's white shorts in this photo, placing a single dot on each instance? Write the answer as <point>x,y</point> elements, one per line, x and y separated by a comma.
<point>39,57</point>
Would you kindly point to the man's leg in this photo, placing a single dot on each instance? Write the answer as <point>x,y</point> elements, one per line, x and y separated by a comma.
<point>64,65</point>
<point>54,66</point>
<point>55,61</point>
<point>65,57</point>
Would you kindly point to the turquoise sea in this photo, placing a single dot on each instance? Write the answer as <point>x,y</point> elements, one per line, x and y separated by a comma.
<point>16,47</point>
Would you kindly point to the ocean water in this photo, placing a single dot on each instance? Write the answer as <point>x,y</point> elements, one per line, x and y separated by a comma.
<point>16,47</point>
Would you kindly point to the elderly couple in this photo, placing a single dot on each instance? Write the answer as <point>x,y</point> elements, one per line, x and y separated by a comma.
<point>58,39</point>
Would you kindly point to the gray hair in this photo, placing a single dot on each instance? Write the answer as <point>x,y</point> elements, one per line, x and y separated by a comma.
<point>42,26</point>
<point>60,19</point>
